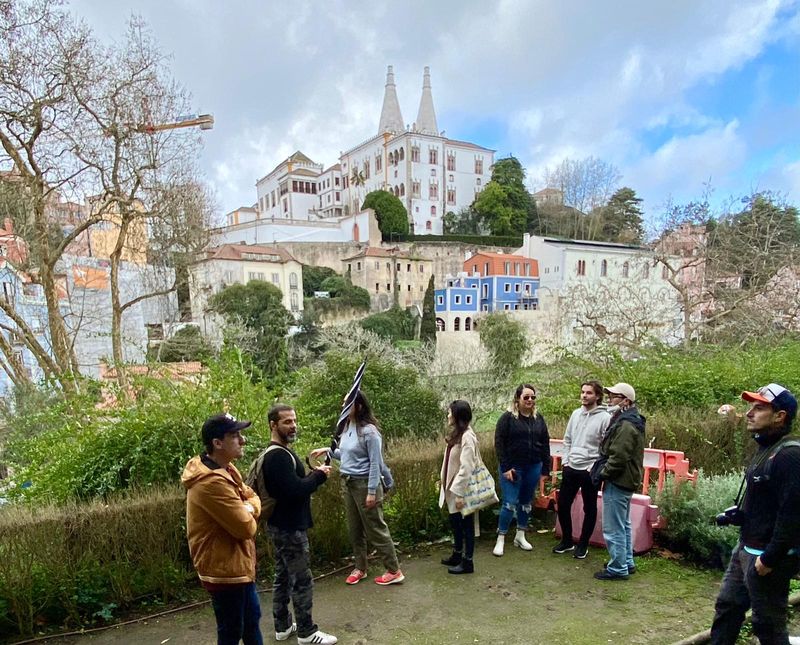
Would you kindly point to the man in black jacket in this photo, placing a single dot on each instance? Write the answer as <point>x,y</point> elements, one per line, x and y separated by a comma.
<point>768,553</point>
<point>287,483</point>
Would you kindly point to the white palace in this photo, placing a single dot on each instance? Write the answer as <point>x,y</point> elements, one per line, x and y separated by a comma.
<point>428,172</point>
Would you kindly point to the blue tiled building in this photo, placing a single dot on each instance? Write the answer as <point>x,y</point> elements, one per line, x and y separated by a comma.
<point>490,282</point>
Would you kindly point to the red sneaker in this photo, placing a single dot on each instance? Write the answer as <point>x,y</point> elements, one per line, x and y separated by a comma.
<point>390,578</point>
<point>355,576</point>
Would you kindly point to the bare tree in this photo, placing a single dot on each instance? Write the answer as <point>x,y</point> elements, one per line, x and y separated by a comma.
<point>586,184</point>
<point>39,45</point>
<point>625,314</point>
<point>126,92</point>
<point>725,268</point>
<point>76,120</point>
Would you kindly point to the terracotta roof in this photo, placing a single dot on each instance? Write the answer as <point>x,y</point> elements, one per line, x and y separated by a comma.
<point>378,252</point>
<point>236,252</point>
<point>336,166</point>
<point>467,144</point>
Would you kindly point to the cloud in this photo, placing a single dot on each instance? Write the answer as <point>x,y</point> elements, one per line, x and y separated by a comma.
<point>553,79</point>
<point>682,166</point>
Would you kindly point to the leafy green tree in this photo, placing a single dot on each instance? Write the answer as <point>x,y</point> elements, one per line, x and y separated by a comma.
<point>313,278</point>
<point>389,211</point>
<point>621,218</point>
<point>427,331</point>
<point>405,405</point>
<point>344,293</point>
<point>505,206</point>
<point>187,344</point>
<point>259,307</point>
<point>464,222</point>
<point>505,340</point>
<point>394,324</point>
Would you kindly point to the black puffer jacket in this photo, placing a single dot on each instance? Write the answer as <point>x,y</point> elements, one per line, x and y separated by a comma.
<point>522,441</point>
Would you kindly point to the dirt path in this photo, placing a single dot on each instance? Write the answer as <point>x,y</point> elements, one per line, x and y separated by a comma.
<point>520,598</point>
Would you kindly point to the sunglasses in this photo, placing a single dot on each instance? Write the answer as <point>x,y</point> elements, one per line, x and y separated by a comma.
<point>529,397</point>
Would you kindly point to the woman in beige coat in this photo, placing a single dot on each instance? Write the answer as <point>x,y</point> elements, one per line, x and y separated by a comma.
<point>460,458</point>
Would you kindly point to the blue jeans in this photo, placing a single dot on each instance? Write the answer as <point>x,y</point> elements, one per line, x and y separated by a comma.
<point>617,528</point>
<point>238,612</point>
<point>518,496</point>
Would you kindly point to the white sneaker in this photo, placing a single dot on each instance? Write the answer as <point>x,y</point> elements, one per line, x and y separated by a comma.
<point>282,636</point>
<point>521,542</point>
<point>319,638</point>
<point>499,545</point>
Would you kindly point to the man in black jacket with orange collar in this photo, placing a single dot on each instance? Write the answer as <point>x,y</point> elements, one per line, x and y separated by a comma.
<point>768,553</point>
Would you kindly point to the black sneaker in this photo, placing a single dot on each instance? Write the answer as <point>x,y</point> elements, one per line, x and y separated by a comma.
<point>563,547</point>
<point>631,570</point>
<point>605,574</point>
<point>580,552</point>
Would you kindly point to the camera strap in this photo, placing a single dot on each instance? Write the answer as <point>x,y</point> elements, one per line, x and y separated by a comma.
<point>768,457</point>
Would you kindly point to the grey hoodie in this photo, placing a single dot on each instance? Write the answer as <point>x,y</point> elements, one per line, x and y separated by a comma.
<point>583,435</point>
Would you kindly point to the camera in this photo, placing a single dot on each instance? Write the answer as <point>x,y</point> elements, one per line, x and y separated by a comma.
<point>731,516</point>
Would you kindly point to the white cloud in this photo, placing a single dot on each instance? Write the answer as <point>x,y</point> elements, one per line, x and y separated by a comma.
<point>682,166</point>
<point>562,79</point>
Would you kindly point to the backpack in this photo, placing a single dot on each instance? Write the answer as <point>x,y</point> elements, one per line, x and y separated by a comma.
<point>255,480</point>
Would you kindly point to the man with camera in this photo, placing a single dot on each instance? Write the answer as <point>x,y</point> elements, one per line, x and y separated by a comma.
<point>768,553</point>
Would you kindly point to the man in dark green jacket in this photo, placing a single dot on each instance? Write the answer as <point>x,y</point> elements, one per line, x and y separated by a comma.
<point>621,468</point>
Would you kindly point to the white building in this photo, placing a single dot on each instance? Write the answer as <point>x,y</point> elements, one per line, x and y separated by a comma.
<point>239,264</point>
<point>362,227</point>
<point>601,291</point>
<point>430,173</point>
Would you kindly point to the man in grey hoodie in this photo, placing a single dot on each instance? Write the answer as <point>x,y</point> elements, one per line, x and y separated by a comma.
<point>585,429</point>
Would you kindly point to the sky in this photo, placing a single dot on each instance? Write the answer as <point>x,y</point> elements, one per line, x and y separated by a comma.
<point>679,95</point>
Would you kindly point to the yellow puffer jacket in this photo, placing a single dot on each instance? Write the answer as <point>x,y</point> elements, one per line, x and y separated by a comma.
<point>220,527</point>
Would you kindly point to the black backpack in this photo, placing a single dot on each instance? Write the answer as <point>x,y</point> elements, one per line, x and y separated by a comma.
<point>255,480</point>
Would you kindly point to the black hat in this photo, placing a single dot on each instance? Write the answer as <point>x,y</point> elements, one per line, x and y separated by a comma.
<point>219,425</point>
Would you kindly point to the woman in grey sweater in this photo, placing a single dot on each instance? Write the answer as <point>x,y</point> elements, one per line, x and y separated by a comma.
<point>360,454</point>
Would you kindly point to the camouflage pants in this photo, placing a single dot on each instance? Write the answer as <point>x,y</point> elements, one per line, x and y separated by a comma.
<point>293,581</point>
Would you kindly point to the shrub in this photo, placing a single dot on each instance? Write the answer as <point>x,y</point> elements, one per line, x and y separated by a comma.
<point>187,344</point>
<point>389,211</point>
<point>394,324</point>
<point>505,340</point>
<point>508,241</point>
<point>689,512</point>
<point>144,443</point>
<point>81,563</point>
<point>404,405</point>
<point>76,564</point>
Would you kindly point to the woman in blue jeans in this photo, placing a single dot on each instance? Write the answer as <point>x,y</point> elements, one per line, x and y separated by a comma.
<point>522,444</point>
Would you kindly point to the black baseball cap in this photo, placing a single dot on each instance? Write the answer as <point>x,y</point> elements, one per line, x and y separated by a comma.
<point>219,425</point>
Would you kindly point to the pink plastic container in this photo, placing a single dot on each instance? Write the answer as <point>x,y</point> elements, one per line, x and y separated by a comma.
<point>644,516</point>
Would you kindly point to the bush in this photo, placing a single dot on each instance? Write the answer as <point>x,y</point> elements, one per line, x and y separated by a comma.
<point>81,563</point>
<point>389,211</point>
<point>508,241</point>
<point>144,443</point>
<point>689,512</point>
<point>313,278</point>
<point>75,565</point>
<point>404,405</point>
<point>505,340</point>
<point>187,344</point>
<point>394,325</point>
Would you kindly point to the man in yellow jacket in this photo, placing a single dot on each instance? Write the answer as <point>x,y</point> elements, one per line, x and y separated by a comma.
<point>221,522</point>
